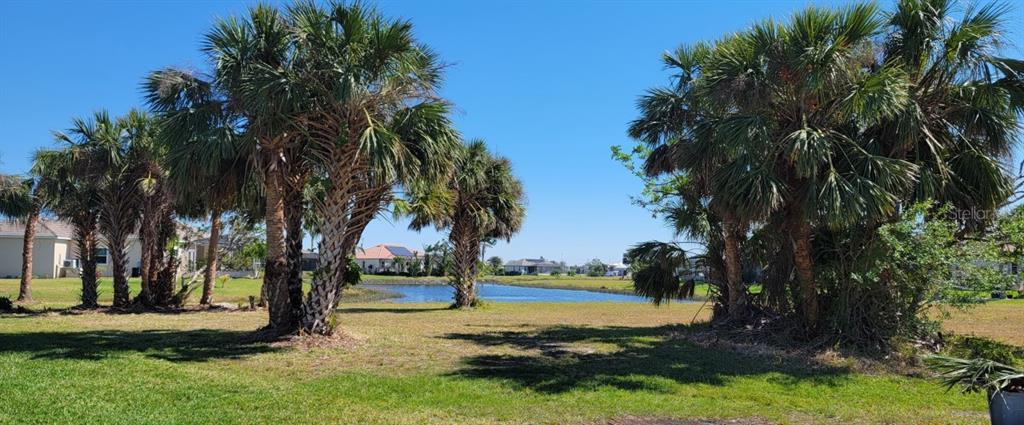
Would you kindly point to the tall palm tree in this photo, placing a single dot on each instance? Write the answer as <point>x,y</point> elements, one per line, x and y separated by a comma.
<point>21,199</point>
<point>66,176</point>
<point>119,198</point>
<point>678,126</point>
<point>253,60</point>
<point>371,120</point>
<point>207,157</point>
<point>482,199</point>
<point>102,147</point>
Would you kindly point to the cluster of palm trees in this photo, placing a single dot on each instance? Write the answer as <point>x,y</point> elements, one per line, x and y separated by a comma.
<point>789,144</point>
<point>309,117</point>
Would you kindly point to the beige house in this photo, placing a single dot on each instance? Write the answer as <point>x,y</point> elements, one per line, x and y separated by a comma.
<point>53,245</point>
<point>55,253</point>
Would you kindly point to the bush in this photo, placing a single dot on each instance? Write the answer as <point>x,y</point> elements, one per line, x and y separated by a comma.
<point>6,304</point>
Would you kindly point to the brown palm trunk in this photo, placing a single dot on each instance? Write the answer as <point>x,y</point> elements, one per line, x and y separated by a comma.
<point>276,269</point>
<point>116,248</point>
<point>346,215</point>
<point>293,240</point>
<point>31,224</point>
<point>85,232</point>
<point>211,258</point>
<point>148,230</point>
<point>163,264</point>
<point>804,265</point>
<point>465,247</point>
<point>737,298</point>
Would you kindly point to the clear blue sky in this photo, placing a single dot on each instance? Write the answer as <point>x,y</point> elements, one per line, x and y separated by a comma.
<point>551,85</point>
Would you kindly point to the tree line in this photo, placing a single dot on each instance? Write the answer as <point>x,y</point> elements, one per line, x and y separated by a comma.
<point>312,117</point>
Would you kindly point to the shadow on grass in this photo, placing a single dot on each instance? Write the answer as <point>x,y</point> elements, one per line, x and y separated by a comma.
<point>630,358</point>
<point>179,346</point>
<point>394,310</point>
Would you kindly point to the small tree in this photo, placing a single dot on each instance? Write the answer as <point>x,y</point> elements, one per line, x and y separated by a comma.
<point>596,268</point>
<point>482,200</point>
<point>496,264</point>
<point>21,199</point>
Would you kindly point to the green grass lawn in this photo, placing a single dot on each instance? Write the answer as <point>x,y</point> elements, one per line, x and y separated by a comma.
<point>422,363</point>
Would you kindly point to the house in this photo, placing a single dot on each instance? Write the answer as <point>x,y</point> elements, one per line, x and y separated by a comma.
<point>386,258</point>
<point>617,269</point>
<point>53,245</point>
<point>533,266</point>
<point>55,252</point>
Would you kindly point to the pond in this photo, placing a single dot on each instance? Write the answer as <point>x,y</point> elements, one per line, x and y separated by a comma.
<point>417,293</point>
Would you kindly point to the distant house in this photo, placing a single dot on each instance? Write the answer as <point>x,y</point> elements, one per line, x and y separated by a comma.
<point>53,245</point>
<point>55,252</point>
<point>383,258</point>
<point>617,269</point>
<point>533,266</point>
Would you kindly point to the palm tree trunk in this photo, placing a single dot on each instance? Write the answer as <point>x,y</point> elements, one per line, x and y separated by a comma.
<point>804,265</point>
<point>148,238</point>
<point>119,263</point>
<point>343,225</point>
<point>211,258</point>
<point>737,297</point>
<point>276,269</point>
<point>117,250</point>
<point>293,234</point>
<point>31,224</point>
<point>85,233</point>
<point>465,246</point>
<point>163,263</point>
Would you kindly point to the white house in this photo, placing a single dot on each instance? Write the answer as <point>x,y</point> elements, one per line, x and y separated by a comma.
<point>53,245</point>
<point>617,269</point>
<point>382,258</point>
<point>55,253</point>
<point>533,266</point>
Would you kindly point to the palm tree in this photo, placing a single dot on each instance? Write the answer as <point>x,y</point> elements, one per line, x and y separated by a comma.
<point>207,157</point>
<point>678,127</point>
<point>961,117</point>
<point>659,267</point>
<point>21,199</point>
<point>66,176</point>
<point>794,93</point>
<point>253,67</point>
<point>372,120</point>
<point>103,158</point>
<point>483,199</point>
<point>119,198</point>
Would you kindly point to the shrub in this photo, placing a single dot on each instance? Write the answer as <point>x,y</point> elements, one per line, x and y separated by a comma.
<point>6,304</point>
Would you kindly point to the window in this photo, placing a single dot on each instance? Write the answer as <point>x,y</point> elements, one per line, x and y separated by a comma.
<point>101,256</point>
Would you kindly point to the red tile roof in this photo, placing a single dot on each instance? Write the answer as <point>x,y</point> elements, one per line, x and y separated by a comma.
<point>382,252</point>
